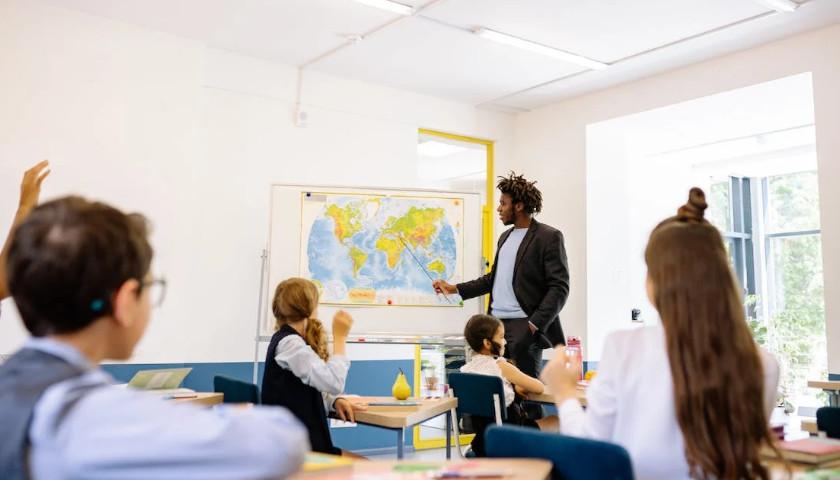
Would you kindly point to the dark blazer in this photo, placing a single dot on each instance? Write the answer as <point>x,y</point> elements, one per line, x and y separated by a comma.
<point>540,280</point>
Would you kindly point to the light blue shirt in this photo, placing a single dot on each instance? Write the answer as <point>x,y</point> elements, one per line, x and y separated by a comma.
<point>505,304</point>
<point>113,432</point>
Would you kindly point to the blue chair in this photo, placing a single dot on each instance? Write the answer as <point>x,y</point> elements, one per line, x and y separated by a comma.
<point>572,458</point>
<point>480,397</point>
<point>828,421</point>
<point>236,391</point>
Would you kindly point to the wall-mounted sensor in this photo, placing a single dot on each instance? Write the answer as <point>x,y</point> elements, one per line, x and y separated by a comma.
<point>301,117</point>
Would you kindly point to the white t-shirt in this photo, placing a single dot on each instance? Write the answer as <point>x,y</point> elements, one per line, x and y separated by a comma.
<point>489,365</point>
<point>631,402</point>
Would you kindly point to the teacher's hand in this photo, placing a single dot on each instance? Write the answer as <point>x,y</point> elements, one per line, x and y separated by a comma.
<point>441,286</point>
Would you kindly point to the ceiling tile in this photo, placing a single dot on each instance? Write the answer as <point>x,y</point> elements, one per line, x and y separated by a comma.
<point>604,30</point>
<point>287,31</point>
<point>816,14</point>
<point>426,57</point>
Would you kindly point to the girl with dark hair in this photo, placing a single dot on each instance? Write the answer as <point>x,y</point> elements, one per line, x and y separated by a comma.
<point>485,335</point>
<point>689,398</point>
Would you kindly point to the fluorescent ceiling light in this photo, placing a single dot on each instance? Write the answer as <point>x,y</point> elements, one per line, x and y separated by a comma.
<point>780,5</point>
<point>388,5</point>
<point>539,48</point>
<point>431,148</point>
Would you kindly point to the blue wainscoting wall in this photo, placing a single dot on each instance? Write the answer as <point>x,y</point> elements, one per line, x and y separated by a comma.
<point>366,377</point>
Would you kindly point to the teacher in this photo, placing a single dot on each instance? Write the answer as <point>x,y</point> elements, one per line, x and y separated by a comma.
<point>529,281</point>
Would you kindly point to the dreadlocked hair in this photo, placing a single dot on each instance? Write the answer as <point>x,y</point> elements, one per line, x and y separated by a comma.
<point>521,190</point>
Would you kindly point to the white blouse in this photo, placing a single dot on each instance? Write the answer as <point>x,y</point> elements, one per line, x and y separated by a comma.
<point>328,377</point>
<point>631,402</point>
<point>489,365</point>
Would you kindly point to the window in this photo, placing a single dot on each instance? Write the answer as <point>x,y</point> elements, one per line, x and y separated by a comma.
<point>772,233</point>
<point>794,312</point>
<point>730,211</point>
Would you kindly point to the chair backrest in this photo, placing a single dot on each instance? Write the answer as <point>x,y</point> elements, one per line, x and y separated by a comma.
<point>572,458</point>
<point>236,391</point>
<point>475,394</point>
<point>828,421</point>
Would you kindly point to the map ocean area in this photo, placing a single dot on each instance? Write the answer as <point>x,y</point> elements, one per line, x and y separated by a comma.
<point>365,249</point>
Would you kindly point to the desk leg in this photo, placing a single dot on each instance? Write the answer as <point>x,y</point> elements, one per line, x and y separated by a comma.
<point>400,440</point>
<point>448,436</point>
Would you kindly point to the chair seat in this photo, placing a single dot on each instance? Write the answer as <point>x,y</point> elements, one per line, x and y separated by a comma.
<point>572,458</point>
<point>828,421</point>
<point>236,391</point>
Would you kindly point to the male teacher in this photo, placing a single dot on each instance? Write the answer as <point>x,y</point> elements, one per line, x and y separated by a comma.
<point>529,281</point>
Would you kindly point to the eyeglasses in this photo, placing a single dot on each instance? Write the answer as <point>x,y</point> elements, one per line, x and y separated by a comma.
<point>157,290</point>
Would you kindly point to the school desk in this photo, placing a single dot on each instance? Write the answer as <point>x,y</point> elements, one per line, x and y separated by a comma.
<point>831,387</point>
<point>401,418</point>
<point>513,468</point>
<point>206,399</point>
<point>548,398</point>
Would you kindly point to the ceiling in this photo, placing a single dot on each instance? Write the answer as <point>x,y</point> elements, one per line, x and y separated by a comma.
<point>434,51</point>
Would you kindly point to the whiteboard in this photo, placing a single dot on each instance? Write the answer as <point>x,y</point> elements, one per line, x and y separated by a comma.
<point>288,232</point>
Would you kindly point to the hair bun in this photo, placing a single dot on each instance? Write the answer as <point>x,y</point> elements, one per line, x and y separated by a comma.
<point>695,207</point>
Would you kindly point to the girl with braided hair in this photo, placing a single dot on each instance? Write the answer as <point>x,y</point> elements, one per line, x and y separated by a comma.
<point>300,374</point>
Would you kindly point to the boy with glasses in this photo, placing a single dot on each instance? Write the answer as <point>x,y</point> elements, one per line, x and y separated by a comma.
<point>79,273</point>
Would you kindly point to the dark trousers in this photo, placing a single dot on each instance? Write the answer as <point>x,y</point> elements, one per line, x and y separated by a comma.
<point>525,354</point>
<point>521,348</point>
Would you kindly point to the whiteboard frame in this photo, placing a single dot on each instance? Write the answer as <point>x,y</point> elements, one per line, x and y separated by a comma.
<point>393,337</point>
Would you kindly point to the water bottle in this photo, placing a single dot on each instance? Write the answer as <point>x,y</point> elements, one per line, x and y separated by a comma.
<point>574,351</point>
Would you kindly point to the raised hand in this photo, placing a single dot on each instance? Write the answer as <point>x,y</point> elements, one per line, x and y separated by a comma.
<point>30,186</point>
<point>342,322</point>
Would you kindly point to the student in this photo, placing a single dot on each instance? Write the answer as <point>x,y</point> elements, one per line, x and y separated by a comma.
<point>79,272</point>
<point>299,372</point>
<point>30,190</point>
<point>485,335</point>
<point>689,398</point>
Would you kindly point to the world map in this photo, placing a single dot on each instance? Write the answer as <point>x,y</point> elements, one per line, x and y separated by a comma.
<point>381,250</point>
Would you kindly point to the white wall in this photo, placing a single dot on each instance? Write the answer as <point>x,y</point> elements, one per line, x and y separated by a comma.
<point>192,137</point>
<point>551,146</point>
<point>641,166</point>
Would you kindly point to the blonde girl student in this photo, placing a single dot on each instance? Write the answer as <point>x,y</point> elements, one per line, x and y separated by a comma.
<point>300,374</point>
<point>485,334</point>
<point>689,398</point>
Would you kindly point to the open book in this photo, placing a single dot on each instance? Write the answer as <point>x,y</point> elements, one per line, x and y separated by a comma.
<point>165,382</point>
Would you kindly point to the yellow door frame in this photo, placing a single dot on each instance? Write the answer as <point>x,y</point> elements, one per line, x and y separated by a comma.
<point>486,209</point>
<point>487,253</point>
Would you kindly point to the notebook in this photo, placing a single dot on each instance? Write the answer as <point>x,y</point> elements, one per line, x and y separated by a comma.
<point>394,405</point>
<point>812,450</point>
<point>315,462</point>
<point>159,379</point>
<point>821,474</point>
